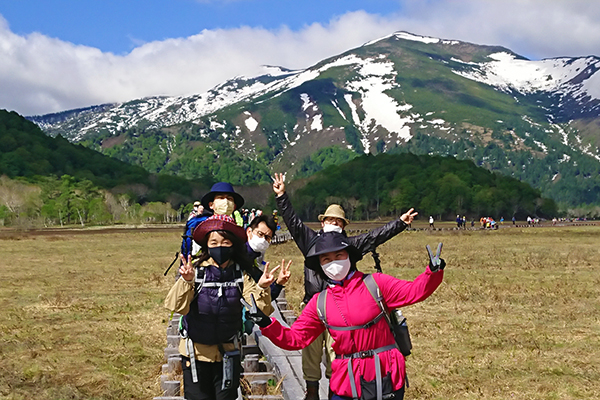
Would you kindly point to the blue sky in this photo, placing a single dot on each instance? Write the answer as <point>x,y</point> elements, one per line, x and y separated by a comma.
<point>119,26</point>
<point>63,54</point>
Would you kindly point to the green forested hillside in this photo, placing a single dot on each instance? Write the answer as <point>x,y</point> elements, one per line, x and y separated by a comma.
<point>25,151</point>
<point>385,185</point>
<point>50,181</point>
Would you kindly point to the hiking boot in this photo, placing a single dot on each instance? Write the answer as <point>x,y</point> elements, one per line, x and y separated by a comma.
<point>312,391</point>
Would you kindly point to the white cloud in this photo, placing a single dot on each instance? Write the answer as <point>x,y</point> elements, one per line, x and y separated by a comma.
<point>39,74</point>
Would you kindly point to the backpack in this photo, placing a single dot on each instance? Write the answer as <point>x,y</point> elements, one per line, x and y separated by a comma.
<point>188,245</point>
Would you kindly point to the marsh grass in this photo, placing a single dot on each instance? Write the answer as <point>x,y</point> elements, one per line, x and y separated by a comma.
<point>81,316</point>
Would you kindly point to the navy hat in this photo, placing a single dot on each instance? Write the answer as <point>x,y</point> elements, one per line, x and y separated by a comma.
<point>328,242</point>
<point>222,187</point>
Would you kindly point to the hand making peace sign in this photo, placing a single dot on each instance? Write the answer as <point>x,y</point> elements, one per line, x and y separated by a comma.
<point>408,216</point>
<point>187,268</point>
<point>279,184</point>
<point>284,273</point>
<point>267,277</point>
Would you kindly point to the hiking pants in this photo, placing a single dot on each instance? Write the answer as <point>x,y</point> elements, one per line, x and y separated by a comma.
<point>210,375</point>
<point>312,356</point>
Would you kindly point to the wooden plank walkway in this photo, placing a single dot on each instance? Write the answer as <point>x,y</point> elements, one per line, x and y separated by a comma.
<point>288,364</point>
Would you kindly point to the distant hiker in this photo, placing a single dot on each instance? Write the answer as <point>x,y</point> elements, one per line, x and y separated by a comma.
<point>197,210</point>
<point>431,222</point>
<point>245,217</point>
<point>458,221</point>
<point>333,220</point>
<point>514,220</point>
<point>276,219</point>
<point>368,363</point>
<point>208,294</point>
<point>237,216</point>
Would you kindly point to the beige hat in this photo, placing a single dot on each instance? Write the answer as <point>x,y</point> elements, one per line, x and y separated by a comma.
<point>335,211</point>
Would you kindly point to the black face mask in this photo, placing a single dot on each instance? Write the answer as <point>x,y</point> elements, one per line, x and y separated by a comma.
<point>220,254</point>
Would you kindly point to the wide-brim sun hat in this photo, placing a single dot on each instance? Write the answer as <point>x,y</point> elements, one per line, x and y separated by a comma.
<point>328,242</point>
<point>218,223</point>
<point>334,211</point>
<point>222,187</point>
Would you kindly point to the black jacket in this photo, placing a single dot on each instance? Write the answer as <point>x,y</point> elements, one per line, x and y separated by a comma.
<point>303,236</point>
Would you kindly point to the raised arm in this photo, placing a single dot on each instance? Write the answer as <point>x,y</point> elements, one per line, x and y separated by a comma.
<point>302,332</point>
<point>367,242</point>
<point>301,233</point>
<point>400,293</point>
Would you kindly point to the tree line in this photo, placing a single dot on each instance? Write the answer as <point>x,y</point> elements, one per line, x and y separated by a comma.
<point>388,184</point>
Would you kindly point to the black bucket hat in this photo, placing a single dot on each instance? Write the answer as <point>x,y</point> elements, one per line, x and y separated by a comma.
<point>328,242</point>
<point>222,187</point>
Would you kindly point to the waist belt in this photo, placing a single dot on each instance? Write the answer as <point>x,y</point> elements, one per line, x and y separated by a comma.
<point>366,354</point>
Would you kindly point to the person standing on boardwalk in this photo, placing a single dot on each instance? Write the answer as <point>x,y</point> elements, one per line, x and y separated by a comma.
<point>207,294</point>
<point>333,220</point>
<point>368,363</point>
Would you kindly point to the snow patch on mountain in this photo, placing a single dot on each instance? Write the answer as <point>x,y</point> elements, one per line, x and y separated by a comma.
<point>507,72</point>
<point>317,123</point>
<point>374,78</point>
<point>423,39</point>
<point>250,122</point>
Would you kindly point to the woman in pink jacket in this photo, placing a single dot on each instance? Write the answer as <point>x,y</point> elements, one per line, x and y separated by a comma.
<point>368,365</point>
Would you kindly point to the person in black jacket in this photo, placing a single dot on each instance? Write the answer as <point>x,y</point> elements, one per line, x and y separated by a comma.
<point>333,220</point>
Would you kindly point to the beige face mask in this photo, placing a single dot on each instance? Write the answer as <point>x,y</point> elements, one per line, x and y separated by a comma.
<point>223,206</point>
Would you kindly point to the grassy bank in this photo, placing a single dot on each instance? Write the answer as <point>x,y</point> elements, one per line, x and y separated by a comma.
<point>81,316</point>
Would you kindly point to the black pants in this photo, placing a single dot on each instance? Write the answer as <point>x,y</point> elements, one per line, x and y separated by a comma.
<point>210,376</point>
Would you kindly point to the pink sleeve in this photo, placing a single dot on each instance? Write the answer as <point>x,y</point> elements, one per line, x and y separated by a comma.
<point>400,293</point>
<point>302,332</point>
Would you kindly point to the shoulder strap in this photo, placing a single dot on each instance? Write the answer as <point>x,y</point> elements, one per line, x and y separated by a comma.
<point>373,288</point>
<point>199,282</point>
<point>321,300</point>
<point>321,306</point>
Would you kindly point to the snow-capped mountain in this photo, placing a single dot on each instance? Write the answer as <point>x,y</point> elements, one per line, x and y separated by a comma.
<point>397,93</point>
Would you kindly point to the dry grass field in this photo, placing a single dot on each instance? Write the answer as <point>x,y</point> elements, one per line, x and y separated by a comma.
<point>517,316</point>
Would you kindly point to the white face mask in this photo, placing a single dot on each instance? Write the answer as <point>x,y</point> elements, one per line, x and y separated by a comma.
<point>258,244</point>
<point>337,269</point>
<point>332,228</point>
<point>223,206</point>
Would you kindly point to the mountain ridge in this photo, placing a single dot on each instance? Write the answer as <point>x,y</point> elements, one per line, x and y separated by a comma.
<point>392,94</point>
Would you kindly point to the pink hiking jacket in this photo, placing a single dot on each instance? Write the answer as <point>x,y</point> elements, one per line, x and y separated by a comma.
<point>351,304</point>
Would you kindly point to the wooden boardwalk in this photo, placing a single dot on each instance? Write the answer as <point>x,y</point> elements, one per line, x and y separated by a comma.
<point>288,364</point>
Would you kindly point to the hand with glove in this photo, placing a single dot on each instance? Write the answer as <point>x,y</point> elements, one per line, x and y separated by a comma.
<point>435,262</point>
<point>255,314</point>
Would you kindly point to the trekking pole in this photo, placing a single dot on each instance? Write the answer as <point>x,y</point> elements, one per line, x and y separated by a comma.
<point>173,262</point>
<point>375,255</point>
